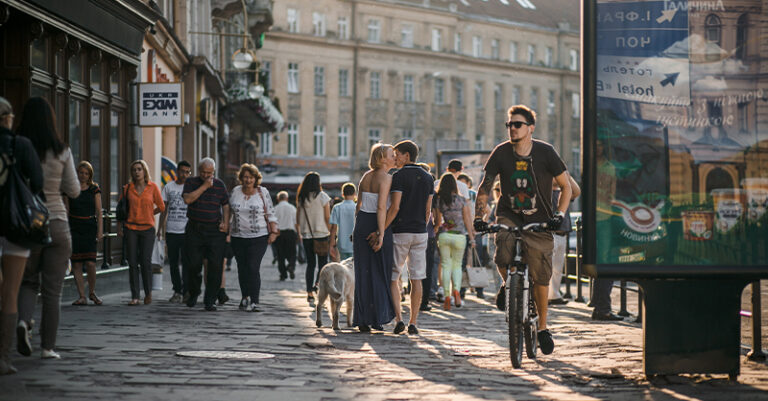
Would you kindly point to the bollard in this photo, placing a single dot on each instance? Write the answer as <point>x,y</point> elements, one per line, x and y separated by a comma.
<point>567,294</point>
<point>105,240</point>
<point>639,318</point>
<point>756,354</point>
<point>579,296</point>
<point>623,297</point>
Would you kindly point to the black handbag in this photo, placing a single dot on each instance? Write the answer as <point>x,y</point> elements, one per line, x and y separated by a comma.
<point>23,215</point>
<point>121,211</point>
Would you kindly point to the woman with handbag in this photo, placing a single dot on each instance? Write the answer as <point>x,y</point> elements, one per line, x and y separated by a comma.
<point>313,215</point>
<point>144,202</point>
<point>253,228</point>
<point>453,221</point>
<point>86,226</point>
<point>47,265</point>
<point>14,255</point>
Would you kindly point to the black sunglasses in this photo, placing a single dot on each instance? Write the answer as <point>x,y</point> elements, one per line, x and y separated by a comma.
<point>516,124</point>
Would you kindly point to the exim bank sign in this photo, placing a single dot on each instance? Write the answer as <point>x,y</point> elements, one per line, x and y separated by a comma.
<point>160,104</point>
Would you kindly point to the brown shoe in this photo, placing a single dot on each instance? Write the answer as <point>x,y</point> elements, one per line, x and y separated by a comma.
<point>447,303</point>
<point>148,300</point>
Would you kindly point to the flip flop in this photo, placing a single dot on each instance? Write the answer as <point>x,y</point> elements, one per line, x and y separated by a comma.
<point>96,300</point>
<point>80,301</point>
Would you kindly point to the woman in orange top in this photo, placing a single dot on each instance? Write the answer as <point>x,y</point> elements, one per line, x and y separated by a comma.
<point>144,202</point>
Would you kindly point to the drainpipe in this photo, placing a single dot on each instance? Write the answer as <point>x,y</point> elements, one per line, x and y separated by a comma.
<point>355,48</point>
<point>135,129</point>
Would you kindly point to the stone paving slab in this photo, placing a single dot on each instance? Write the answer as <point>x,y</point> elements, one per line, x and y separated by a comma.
<point>130,353</point>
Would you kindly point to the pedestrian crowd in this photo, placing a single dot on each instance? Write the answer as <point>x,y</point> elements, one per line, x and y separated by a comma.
<point>400,224</point>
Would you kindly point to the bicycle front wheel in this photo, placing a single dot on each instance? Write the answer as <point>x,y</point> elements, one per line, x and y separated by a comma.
<point>515,318</point>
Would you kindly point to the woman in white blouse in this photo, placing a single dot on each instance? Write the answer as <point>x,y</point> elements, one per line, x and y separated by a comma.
<point>253,228</point>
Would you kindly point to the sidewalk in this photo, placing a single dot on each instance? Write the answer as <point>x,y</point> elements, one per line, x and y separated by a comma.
<point>132,353</point>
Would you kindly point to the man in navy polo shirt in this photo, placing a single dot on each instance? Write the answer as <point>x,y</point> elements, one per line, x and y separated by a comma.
<point>411,197</point>
<point>205,235</point>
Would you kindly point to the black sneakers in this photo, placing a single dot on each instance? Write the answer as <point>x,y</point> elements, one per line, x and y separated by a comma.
<point>608,317</point>
<point>399,327</point>
<point>412,329</point>
<point>545,342</point>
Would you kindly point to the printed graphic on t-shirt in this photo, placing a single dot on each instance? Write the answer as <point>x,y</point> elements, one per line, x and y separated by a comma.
<point>176,208</point>
<point>522,197</point>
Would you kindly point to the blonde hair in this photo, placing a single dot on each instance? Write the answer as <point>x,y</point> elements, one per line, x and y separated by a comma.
<point>144,165</point>
<point>248,167</point>
<point>378,153</point>
<point>89,168</point>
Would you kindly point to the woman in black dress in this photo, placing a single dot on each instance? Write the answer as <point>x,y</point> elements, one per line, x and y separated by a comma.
<point>372,244</point>
<point>85,223</point>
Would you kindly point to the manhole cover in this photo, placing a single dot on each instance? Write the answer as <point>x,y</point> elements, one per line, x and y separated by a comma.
<point>234,355</point>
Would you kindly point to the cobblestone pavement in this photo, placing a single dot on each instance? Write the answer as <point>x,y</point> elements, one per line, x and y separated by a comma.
<point>134,353</point>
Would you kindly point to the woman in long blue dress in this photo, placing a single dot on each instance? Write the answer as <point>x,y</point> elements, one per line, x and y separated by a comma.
<point>373,250</point>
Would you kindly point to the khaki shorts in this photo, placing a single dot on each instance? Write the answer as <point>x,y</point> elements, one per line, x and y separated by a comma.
<point>537,252</point>
<point>413,248</point>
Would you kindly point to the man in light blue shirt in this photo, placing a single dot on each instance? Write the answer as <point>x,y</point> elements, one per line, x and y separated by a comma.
<point>343,223</point>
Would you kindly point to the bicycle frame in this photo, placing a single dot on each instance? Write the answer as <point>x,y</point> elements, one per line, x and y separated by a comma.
<point>521,269</point>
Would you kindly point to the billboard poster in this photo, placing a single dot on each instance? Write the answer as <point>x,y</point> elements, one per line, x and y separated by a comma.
<point>681,146</point>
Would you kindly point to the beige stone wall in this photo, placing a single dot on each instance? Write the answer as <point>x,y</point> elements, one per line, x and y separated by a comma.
<point>425,119</point>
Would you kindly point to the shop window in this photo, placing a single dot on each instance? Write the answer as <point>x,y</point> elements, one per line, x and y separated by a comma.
<point>96,76</point>
<point>114,83</point>
<point>38,53</point>
<point>76,68</point>
<point>75,128</point>
<point>114,158</point>
<point>94,143</point>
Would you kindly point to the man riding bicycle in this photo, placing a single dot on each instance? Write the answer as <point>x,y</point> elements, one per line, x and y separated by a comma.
<point>526,167</point>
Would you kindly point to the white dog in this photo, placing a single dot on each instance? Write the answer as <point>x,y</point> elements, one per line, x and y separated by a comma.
<point>337,281</point>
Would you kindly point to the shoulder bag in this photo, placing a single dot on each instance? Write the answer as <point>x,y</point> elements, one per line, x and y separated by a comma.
<point>23,215</point>
<point>121,211</point>
<point>264,202</point>
<point>321,246</point>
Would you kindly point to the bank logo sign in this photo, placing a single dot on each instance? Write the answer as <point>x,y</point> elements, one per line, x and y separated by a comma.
<point>160,105</point>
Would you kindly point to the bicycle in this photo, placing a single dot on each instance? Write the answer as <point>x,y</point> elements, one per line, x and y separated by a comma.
<point>520,308</point>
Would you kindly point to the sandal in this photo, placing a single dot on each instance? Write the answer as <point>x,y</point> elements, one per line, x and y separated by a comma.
<point>133,302</point>
<point>80,301</point>
<point>96,300</point>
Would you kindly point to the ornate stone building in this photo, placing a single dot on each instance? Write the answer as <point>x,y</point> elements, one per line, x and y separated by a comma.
<point>350,73</point>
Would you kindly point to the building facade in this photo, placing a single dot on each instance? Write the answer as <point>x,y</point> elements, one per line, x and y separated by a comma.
<point>351,73</point>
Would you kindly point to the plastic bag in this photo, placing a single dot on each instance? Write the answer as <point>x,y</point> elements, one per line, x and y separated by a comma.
<point>158,255</point>
<point>301,256</point>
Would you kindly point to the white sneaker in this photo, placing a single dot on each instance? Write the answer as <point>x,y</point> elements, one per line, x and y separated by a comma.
<point>244,304</point>
<point>254,308</point>
<point>49,354</point>
<point>440,294</point>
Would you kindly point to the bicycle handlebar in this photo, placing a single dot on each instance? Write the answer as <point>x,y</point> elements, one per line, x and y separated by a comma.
<point>537,227</point>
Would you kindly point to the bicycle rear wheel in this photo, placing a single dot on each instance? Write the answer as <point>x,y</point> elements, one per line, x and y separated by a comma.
<point>515,318</point>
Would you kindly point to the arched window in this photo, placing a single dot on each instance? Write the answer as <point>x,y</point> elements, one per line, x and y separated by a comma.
<point>718,178</point>
<point>741,37</point>
<point>712,29</point>
<point>712,33</point>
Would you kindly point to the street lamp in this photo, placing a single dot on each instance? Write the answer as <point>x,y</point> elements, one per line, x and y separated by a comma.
<point>242,58</point>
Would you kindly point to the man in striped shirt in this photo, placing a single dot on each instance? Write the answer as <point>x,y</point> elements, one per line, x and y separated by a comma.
<point>205,235</point>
